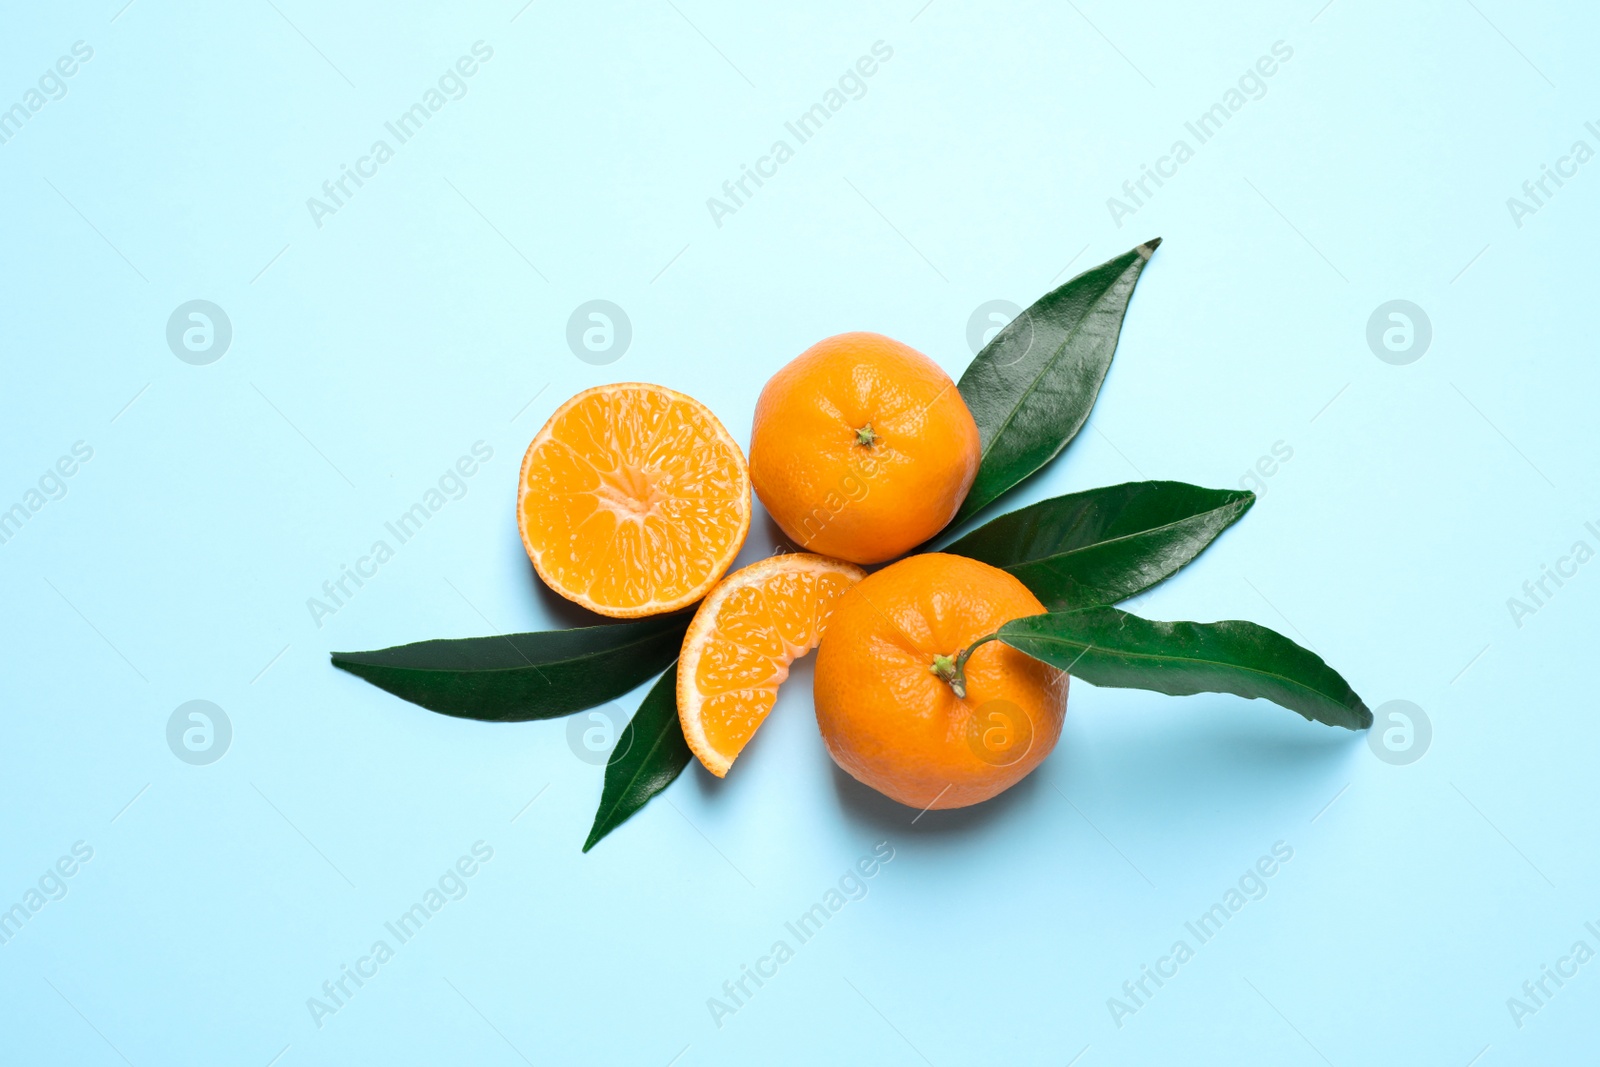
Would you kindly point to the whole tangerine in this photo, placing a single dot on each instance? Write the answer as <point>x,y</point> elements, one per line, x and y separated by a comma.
<point>902,710</point>
<point>862,448</point>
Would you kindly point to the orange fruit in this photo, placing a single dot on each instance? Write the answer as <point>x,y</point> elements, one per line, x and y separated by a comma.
<point>633,500</point>
<point>888,713</point>
<point>737,652</point>
<point>862,448</point>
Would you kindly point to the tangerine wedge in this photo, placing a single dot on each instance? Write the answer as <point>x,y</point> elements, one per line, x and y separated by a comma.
<point>755,623</point>
<point>633,500</point>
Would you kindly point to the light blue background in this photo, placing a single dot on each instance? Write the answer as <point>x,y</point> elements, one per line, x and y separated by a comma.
<point>430,313</point>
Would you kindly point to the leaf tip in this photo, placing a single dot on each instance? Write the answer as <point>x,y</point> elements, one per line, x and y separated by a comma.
<point>1363,715</point>
<point>1148,249</point>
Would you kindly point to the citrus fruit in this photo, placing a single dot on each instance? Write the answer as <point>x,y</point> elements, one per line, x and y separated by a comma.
<point>633,500</point>
<point>862,448</point>
<point>892,708</point>
<point>737,652</point>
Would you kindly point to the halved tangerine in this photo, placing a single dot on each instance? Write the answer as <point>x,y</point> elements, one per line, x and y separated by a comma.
<point>633,500</point>
<point>737,652</point>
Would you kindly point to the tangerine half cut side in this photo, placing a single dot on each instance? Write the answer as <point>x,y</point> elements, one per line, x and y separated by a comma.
<point>633,500</point>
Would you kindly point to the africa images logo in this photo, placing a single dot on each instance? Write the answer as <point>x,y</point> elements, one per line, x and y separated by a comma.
<point>52,485</point>
<point>806,126</point>
<point>342,588</point>
<point>51,86</point>
<point>851,885</point>
<point>337,191</point>
<point>451,885</point>
<point>1252,885</point>
<point>1252,85</point>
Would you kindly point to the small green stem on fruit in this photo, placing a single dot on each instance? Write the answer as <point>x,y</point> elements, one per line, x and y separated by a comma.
<point>944,667</point>
<point>953,669</point>
<point>866,437</point>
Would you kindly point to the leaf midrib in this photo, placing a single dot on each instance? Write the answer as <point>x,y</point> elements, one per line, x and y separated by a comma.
<point>638,772</point>
<point>1189,659</point>
<point>340,662</point>
<point>1034,384</point>
<point>1119,539</point>
<point>602,819</point>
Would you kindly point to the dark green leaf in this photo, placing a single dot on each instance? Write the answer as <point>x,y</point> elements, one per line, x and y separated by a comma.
<point>1104,545</point>
<point>1031,388</point>
<point>649,756</point>
<point>515,677</point>
<point>1105,646</point>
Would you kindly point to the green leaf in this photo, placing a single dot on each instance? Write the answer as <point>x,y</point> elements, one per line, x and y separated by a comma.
<point>649,756</point>
<point>1031,388</point>
<point>1104,545</point>
<point>516,677</point>
<point>1108,647</point>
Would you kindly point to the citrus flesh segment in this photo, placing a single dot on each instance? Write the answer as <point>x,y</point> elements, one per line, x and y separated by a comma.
<point>633,500</point>
<point>738,649</point>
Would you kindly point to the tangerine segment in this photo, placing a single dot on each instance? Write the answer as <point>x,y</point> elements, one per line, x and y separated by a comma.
<point>633,500</point>
<point>738,649</point>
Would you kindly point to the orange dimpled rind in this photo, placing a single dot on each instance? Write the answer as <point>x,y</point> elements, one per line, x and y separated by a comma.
<point>893,724</point>
<point>862,448</point>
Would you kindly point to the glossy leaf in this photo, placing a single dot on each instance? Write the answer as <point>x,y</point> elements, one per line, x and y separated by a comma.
<point>1104,545</point>
<point>1031,388</point>
<point>1108,647</point>
<point>516,677</point>
<point>649,755</point>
